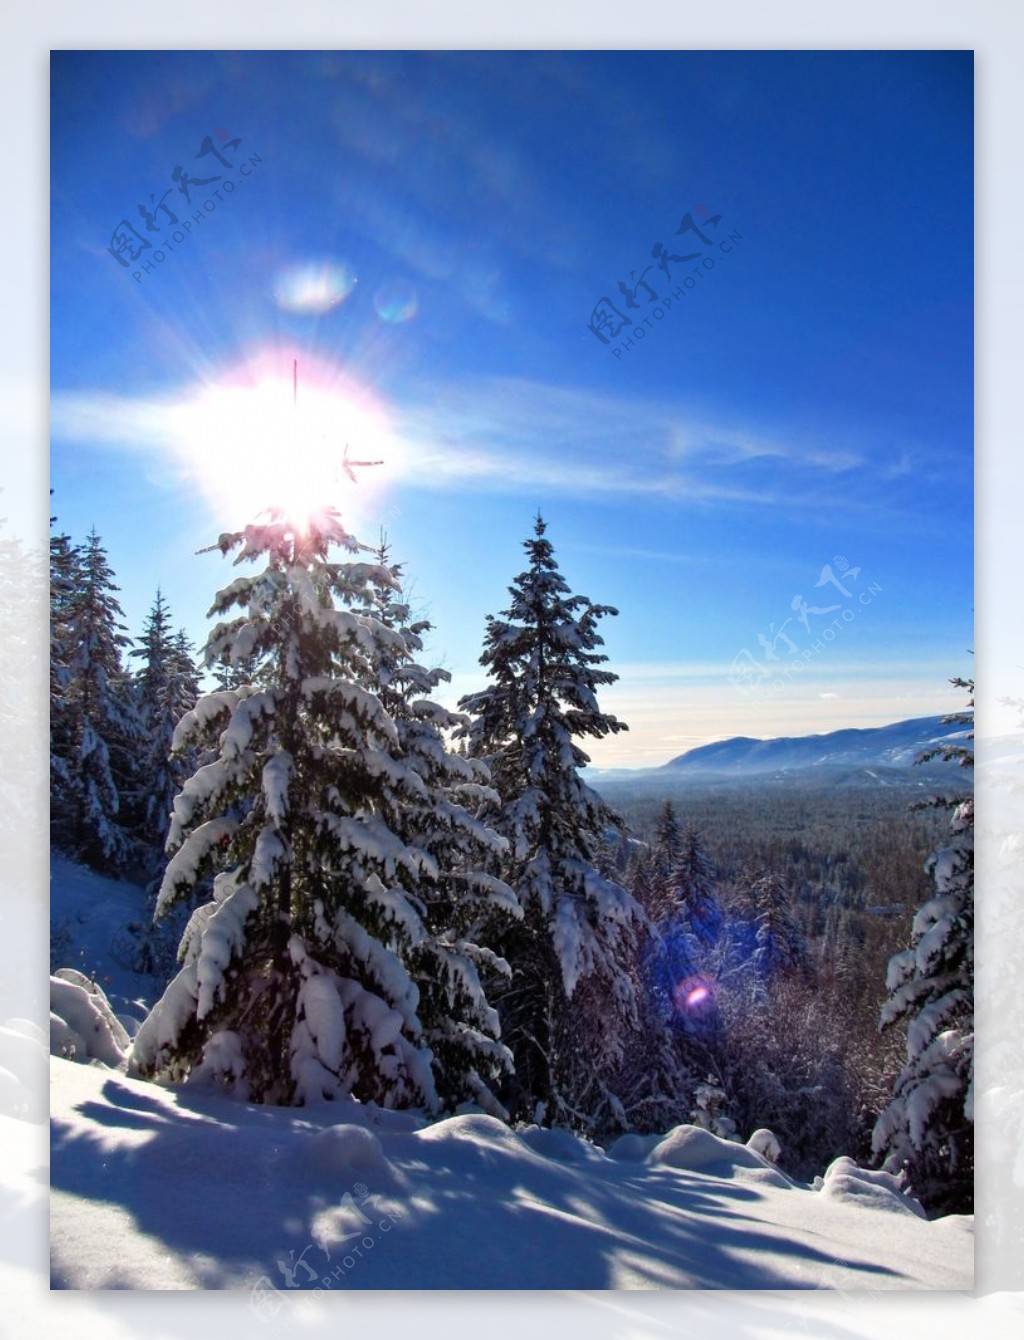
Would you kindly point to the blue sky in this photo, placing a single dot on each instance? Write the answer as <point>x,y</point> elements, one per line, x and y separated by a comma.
<point>807,402</point>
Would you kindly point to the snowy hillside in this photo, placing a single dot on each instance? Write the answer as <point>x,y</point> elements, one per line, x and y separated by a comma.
<point>153,1189</point>
<point>894,746</point>
<point>96,925</point>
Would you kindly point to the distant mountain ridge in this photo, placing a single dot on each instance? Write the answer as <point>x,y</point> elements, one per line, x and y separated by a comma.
<point>895,746</point>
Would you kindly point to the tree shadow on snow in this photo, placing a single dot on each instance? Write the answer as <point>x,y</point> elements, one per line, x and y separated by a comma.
<point>250,1197</point>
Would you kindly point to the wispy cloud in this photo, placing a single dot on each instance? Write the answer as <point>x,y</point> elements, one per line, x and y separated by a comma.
<point>514,436</point>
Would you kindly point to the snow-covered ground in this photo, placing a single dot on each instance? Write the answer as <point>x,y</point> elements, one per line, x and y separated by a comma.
<point>153,1188</point>
<point>180,1190</point>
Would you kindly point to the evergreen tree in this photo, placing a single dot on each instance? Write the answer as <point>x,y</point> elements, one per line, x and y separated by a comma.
<point>927,1128</point>
<point>183,682</point>
<point>640,879</point>
<point>296,980</point>
<point>693,890</point>
<point>65,561</point>
<point>664,855</point>
<point>167,687</point>
<point>779,945</point>
<point>97,717</point>
<point>571,1003</point>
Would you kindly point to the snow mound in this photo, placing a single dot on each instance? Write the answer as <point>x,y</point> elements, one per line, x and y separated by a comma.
<point>694,1149</point>
<point>844,1181</point>
<point>476,1129</point>
<point>350,1150</point>
<point>633,1148</point>
<point>765,1143</point>
<point>560,1145</point>
<point>83,1027</point>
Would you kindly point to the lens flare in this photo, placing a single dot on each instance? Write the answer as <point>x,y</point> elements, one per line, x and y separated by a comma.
<point>313,288</point>
<point>691,994</point>
<point>396,303</point>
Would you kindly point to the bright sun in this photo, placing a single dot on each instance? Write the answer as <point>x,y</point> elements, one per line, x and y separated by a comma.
<point>250,442</point>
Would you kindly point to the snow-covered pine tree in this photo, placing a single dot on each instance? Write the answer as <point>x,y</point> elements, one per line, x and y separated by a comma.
<point>928,1126</point>
<point>779,945</point>
<point>183,681</point>
<point>64,582</point>
<point>97,715</point>
<point>694,890</point>
<point>570,1006</point>
<point>464,906</point>
<point>296,982</point>
<point>639,877</point>
<point>664,854</point>
<point>167,686</point>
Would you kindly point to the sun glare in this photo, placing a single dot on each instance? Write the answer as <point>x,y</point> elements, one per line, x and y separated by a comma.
<point>261,437</point>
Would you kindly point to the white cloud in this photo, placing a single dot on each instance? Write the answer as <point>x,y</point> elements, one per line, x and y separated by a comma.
<point>507,435</point>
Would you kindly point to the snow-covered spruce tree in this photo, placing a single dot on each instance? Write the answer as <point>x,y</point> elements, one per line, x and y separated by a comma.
<point>928,1126</point>
<point>98,715</point>
<point>693,889</point>
<point>64,582</point>
<point>664,854</point>
<point>295,982</point>
<point>167,686</point>
<point>780,946</point>
<point>570,1006</point>
<point>639,878</point>
<point>451,966</point>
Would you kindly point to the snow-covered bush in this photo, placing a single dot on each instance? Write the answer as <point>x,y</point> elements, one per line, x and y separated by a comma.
<point>763,1142</point>
<point>872,1189</point>
<point>709,1101</point>
<point>83,1027</point>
